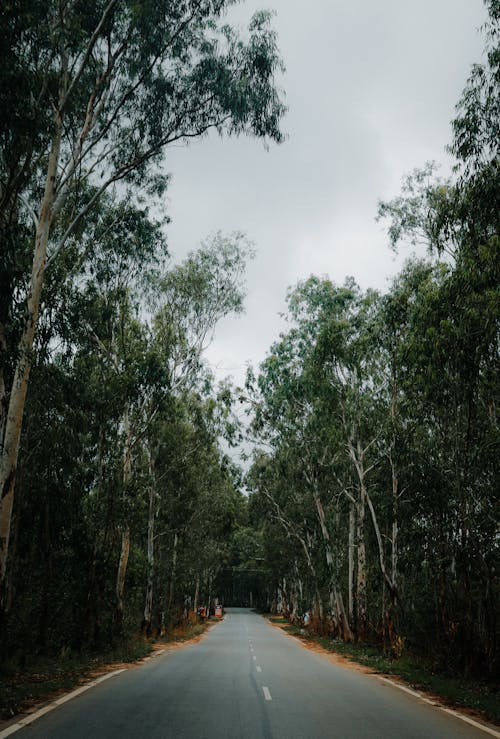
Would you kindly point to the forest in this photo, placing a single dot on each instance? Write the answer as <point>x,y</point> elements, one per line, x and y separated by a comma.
<point>368,505</point>
<point>375,417</point>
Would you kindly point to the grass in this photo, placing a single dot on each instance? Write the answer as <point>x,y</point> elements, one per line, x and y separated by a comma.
<point>279,620</point>
<point>186,632</point>
<point>481,697</point>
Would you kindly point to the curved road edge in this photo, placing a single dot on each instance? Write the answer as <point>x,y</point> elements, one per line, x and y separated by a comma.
<point>21,720</point>
<point>400,684</point>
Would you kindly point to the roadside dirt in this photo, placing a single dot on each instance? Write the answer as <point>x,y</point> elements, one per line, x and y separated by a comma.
<point>336,659</point>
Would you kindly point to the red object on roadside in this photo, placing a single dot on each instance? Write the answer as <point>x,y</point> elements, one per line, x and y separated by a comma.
<point>218,611</point>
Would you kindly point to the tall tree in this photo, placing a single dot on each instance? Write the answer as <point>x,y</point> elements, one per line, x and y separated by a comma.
<point>111,87</point>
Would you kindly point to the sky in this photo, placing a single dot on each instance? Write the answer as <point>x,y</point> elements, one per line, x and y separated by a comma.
<point>371,87</point>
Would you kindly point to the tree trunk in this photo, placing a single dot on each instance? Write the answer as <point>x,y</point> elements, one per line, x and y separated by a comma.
<point>13,421</point>
<point>336,599</point>
<point>165,616</point>
<point>361,565</point>
<point>352,523</point>
<point>391,582</point>
<point>125,545</point>
<point>148,608</point>
<point>357,456</point>
<point>3,389</point>
<point>120,578</point>
<point>196,598</point>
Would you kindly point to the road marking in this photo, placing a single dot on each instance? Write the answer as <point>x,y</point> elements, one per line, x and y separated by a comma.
<point>258,668</point>
<point>267,694</point>
<point>461,716</point>
<point>55,704</point>
<point>402,687</point>
<point>254,657</point>
<point>468,720</point>
<point>154,655</point>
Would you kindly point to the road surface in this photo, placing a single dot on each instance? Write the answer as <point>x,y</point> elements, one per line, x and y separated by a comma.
<point>245,680</point>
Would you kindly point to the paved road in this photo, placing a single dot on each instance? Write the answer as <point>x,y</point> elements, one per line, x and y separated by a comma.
<point>245,680</point>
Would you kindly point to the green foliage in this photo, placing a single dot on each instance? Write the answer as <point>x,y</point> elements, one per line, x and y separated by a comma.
<point>383,411</point>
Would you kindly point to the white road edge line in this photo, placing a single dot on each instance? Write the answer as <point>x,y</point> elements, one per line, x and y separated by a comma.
<point>267,694</point>
<point>487,729</point>
<point>55,704</point>
<point>461,716</point>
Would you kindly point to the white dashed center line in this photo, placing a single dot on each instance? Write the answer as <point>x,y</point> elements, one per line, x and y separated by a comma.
<point>258,668</point>
<point>267,694</point>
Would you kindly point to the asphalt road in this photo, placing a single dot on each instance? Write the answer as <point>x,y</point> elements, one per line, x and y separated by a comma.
<point>245,680</point>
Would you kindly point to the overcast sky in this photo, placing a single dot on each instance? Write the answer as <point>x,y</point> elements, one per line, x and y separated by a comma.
<point>371,87</point>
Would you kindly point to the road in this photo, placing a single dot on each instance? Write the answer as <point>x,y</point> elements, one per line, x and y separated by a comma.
<point>245,680</point>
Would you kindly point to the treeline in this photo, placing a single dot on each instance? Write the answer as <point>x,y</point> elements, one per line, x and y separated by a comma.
<point>126,504</point>
<point>117,505</point>
<point>376,484</point>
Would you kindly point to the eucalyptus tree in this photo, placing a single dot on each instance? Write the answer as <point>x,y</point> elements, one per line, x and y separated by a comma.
<point>196,507</point>
<point>191,298</point>
<point>302,413</point>
<point>282,507</point>
<point>450,344</point>
<point>108,88</point>
<point>327,398</point>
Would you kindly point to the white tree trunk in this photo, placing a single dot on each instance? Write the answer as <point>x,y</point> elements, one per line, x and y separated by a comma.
<point>148,607</point>
<point>170,598</point>
<point>336,600</point>
<point>357,456</point>
<point>122,571</point>
<point>352,523</point>
<point>196,598</point>
<point>361,563</point>
<point>125,545</point>
<point>13,421</point>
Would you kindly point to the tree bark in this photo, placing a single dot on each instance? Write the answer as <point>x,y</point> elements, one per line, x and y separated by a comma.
<point>13,421</point>
<point>352,523</point>
<point>336,600</point>
<point>165,616</point>
<point>196,599</point>
<point>148,608</point>
<point>122,571</point>
<point>3,389</point>
<point>357,456</point>
<point>361,564</point>
<point>125,544</point>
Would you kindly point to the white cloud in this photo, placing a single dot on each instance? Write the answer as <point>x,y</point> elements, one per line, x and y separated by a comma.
<point>371,89</point>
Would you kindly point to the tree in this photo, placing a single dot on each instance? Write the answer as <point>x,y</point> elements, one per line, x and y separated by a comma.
<point>110,89</point>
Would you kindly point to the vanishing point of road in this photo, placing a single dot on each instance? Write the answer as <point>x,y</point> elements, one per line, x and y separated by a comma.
<point>245,680</point>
